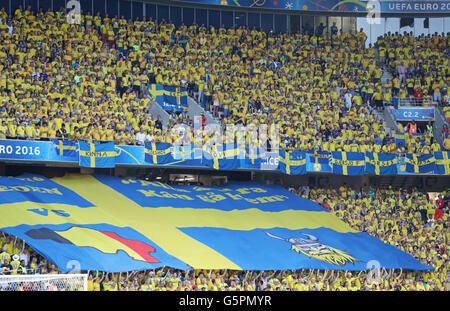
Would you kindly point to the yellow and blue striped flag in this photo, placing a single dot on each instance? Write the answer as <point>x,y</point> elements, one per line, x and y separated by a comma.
<point>348,163</point>
<point>423,164</point>
<point>442,162</point>
<point>66,148</point>
<point>381,163</point>
<point>292,163</point>
<point>158,153</point>
<point>97,155</point>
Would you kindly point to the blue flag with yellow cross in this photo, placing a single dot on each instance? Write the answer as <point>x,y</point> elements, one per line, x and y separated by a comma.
<point>348,163</point>
<point>381,163</point>
<point>113,224</point>
<point>442,162</point>
<point>420,164</point>
<point>292,162</point>
<point>158,153</point>
<point>170,98</point>
<point>97,155</point>
<point>319,159</point>
<point>254,157</point>
<point>66,148</point>
<point>221,157</point>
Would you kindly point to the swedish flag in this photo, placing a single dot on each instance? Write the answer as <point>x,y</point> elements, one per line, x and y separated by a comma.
<point>254,157</point>
<point>442,162</point>
<point>381,163</point>
<point>322,157</point>
<point>97,155</point>
<point>183,153</point>
<point>169,97</point>
<point>292,163</point>
<point>221,157</point>
<point>425,163</point>
<point>348,163</point>
<point>66,148</point>
<point>158,153</point>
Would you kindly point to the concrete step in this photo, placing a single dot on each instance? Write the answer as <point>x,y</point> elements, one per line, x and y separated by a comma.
<point>156,110</point>
<point>195,109</point>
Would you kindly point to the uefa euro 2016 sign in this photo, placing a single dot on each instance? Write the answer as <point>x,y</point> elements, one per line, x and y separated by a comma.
<point>337,5</point>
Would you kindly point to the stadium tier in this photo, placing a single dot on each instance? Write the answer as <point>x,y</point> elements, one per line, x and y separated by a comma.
<point>89,81</point>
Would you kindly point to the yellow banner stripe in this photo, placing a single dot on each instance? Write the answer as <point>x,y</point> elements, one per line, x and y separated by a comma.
<point>92,149</point>
<point>377,167</point>
<point>97,154</point>
<point>61,146</point>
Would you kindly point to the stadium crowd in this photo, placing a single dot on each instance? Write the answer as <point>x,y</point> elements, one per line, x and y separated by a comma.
<point>88,81</point>
<point>419,66</point>
<point>406,219</point>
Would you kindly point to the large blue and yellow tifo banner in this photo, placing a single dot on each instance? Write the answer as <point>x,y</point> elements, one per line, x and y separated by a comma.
<point>233,157</point>
<point>112,224</point>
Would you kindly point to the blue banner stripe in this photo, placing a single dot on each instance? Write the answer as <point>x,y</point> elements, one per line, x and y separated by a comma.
<point>281,249</point>
<point>244,194</point>
<point>44,151</point>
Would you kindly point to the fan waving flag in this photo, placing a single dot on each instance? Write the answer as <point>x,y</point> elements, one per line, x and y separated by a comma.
<point>442,162</point>
<point>381,163</point>
<point>170,98</point>
<point>66,148</point>
<point>292,163</point>
<point>420,164</point>
<point>348,163</point>
<point>158,153</point>
<point>97,155</point>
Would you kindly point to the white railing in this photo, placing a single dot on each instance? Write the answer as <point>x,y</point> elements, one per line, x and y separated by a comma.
<point>413,102</point>
<point>43,282</point>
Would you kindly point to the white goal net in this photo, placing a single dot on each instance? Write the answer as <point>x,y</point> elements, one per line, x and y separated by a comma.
<point>44,282</point>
